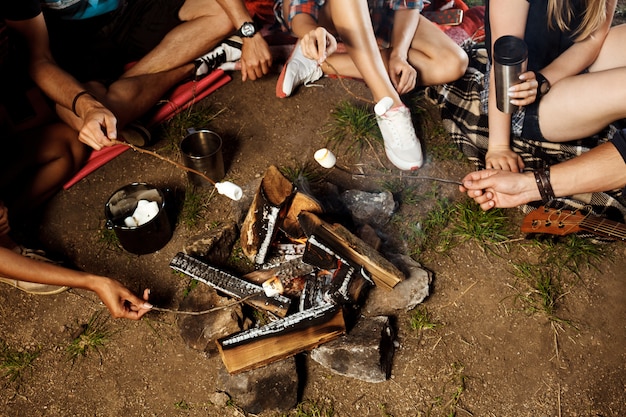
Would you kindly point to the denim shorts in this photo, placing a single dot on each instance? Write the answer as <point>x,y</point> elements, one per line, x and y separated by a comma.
<point>530,125</point>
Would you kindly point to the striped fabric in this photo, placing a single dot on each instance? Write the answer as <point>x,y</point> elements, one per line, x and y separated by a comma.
<point>466,122</point>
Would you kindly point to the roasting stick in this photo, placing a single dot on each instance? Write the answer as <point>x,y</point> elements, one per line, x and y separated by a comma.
<point>211,310</point>
<point>226,188</point>
<point>328,160</point>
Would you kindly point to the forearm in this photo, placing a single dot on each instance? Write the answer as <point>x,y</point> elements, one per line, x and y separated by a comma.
<point>499,122</point>
<point>404,27</point>
<point>15,266</point>
<point>600,169</point>
<point>236,11</point>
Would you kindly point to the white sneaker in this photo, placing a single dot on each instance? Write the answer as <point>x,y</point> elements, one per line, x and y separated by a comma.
<point>402,146</point>
<point>297,70</point>
<point>227,51</point>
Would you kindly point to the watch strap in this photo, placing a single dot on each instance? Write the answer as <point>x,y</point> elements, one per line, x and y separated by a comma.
<point>542,81</point>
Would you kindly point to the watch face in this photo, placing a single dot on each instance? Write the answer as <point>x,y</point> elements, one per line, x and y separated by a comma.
<point>247,30</point>
<point>544,87</point>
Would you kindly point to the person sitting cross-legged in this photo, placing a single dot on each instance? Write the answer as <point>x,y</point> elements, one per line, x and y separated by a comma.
<point>415,52</point>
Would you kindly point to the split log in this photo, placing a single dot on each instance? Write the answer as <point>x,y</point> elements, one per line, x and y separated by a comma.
<point>301,202</point>
<point>282,338</point>
<point>265,215</point>
<point>252,294</point>
<point>336,239</point>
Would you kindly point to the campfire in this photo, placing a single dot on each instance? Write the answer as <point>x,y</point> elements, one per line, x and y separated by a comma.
<point>324,271</point>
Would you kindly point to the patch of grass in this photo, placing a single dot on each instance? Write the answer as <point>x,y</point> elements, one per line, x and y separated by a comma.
<point>194,206</point>
<point>182,405</point>
<point>301,173</point>
<point>452,392</point>
<point>420,319</point>
<point>485,227</point>
<point>15,363</point>
<point>558,267</point>
<point>109,239</point>
<point>92,336</point>
<point>197,117</point>
<point>190,287</point>
<point>353,127</point>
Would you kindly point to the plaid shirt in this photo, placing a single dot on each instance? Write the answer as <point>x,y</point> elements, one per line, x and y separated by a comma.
<point>312,7</point>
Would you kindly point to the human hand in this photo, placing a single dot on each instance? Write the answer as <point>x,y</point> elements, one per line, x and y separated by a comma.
<point>502,157</point>
<point>525,92</point>
<point>99,127</point>
<point>120,301</point>
<point>318,44</point>
<point>496,188</point>
<point>256,58</point>
<point>402,74</point>
<point>4,220</point>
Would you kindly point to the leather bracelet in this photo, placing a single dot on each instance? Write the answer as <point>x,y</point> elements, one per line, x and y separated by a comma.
<point>76,97</point>
<point>542,178</point>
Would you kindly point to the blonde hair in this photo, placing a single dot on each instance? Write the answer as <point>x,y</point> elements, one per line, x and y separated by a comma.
<point>561,13</point>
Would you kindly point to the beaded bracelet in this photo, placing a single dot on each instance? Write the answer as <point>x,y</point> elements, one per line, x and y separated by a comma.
<point>542,178</point>
<point>76,97</point>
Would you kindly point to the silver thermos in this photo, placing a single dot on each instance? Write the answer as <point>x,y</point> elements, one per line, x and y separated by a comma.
<point>510,57</point>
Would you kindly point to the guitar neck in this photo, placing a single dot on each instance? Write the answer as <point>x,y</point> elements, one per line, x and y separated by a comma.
<point>604,227</point>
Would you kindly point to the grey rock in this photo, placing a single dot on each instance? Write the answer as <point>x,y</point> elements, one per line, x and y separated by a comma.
<point>404,296</point>
<point>201,331</point>
<point>365,353</point>
<point>215,245</point>
<point>272,387</point>
<point>371,208</point>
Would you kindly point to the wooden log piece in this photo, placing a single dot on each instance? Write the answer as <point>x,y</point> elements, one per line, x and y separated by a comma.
<point>265,215</point>
<point>347,246</point>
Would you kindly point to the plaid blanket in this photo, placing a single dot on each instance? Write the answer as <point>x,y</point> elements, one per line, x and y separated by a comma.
<point>462,117</point>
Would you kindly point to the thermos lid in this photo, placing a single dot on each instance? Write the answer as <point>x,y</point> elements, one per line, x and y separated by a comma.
<point>510,50</point>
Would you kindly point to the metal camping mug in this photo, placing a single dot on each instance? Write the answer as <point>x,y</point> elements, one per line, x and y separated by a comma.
<point>202,151</point>
<point>138,235</point>
<point>510,57</point>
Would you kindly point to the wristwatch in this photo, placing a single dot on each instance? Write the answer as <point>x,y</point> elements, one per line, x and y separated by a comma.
<point>544,85</point>
<point>247,30</point>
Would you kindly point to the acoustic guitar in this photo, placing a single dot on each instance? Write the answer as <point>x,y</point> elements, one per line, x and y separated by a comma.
<point>563,222</point>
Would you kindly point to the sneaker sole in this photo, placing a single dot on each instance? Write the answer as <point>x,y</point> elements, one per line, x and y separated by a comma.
<point>281,78</point>
<point>49,289</point>
<point>279,84</point>
<point>402,164</point>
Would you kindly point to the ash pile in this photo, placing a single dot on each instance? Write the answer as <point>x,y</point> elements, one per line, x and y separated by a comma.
<point>320,287</point>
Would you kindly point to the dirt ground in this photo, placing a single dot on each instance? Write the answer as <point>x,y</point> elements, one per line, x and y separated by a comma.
<point>487,356</point>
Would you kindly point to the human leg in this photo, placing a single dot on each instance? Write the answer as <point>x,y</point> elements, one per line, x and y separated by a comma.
<point>436,57</point>
<point>579,106</point>
<point>37,164</point>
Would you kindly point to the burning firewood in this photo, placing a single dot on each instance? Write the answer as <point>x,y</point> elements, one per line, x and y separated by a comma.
<point>340,243</point>
<point>268,209</point>
<point>230,285</point>
<point>282,338</point>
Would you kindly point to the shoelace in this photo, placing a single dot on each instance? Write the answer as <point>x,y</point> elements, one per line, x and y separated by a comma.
<point>396,126</point>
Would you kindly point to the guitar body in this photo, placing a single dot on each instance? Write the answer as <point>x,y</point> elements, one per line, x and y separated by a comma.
<point>563,222</point>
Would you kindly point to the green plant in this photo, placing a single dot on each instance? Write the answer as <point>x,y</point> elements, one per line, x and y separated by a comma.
<point>199,116</point>
<point>312,408</point>
<point>182,405</point>
<point>15,363</point>
<point>92,335</point>
<point>194,206</point>
<point>421,319</point>
<point>300,173</point>
<point>485,227</point>
<point>452,390</point>
<point>109,239</point>
<point>353,126</point>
